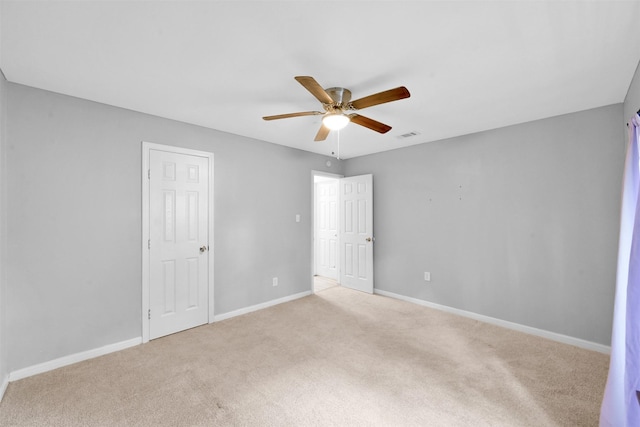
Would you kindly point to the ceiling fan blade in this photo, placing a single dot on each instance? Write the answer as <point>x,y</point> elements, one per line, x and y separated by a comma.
<point>286,116</point>
<point>381,98</point>
<point>322,134</point>
<point>316,90</point>
<point>369,123</point>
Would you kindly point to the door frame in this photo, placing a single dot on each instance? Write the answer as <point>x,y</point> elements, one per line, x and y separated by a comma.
<point>315,173</point>
<point>146,151</point>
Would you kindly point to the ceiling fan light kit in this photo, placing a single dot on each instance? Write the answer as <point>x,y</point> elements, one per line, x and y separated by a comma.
<point>335,121</point>
<point>336,102</point>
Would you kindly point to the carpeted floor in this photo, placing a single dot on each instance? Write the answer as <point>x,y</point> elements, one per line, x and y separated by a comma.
<point>336,358</point>
<point>321,283</point>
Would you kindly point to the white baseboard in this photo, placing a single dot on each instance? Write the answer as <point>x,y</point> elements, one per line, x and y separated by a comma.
<point>505,324</point>
<point>3,386</point>
<point>257,307</point>
<point>72,358</point>
<point>90,354</point>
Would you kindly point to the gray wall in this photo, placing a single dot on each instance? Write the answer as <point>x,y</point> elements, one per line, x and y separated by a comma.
<point>74,215</point>
<point>519,223</point>
<point>632,100</point>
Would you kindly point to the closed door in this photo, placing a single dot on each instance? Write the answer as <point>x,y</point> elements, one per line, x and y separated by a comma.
<point>327,228</point>
<point>356,232</point>
<point>178,242</point>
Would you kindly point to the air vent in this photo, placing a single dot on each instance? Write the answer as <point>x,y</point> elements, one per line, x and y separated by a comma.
<point>408,135</point>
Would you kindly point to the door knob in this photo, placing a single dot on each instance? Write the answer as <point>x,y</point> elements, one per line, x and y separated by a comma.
<point>368,239</point>
<point>202,249</point>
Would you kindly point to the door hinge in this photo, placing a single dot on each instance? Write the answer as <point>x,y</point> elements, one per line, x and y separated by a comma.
<point>148,173</point>
<point>149,314</point>
<point>149,244</point>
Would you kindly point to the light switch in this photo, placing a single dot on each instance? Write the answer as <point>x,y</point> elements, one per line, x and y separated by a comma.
<point>297,217</point>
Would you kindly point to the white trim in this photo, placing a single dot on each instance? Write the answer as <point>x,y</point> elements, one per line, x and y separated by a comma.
<point>257,307</point>
<point>71,359</point>
<point>565,339</point>
<point>3,386</point>
<point>146,147</point>
<point>145,239</point>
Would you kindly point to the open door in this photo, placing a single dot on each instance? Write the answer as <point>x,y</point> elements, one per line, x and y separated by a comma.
<point>356,232</point>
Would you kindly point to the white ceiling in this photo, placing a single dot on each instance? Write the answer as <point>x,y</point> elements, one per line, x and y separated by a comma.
<point>470,66</point>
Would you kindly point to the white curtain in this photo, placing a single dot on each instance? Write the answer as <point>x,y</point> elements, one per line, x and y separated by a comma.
<point>621,402</point>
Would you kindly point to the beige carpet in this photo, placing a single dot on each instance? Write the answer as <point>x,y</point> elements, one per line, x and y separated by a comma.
<point>337,358</point>
<point>321,283</point>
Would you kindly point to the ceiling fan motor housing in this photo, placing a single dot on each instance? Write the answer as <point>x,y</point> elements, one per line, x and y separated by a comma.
<point>340,96</point>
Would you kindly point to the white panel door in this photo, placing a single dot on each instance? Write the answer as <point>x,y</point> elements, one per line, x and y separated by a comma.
<point>356,232</point>
<point>178,244</point>
<point>327,228</point>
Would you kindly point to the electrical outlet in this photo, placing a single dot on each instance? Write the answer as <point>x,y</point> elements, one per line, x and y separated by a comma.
<point>275,281</point>
<point>427,276</point>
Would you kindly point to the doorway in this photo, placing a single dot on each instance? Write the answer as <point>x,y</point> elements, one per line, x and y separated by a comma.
<point>342,248</point>
<point>326,259</point>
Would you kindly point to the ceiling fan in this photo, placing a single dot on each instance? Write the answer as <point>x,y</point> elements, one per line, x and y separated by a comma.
<point>337,105</point>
